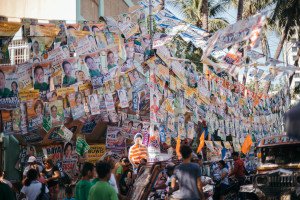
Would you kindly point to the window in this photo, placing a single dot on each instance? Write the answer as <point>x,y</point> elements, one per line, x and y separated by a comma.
<point>297,75</point>
<point>294,58</point>
<point>297,83</point>
<point>18,51</point>
<point>294,49</point>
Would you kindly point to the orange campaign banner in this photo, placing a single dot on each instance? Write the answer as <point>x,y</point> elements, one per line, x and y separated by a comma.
<point>247,144</point>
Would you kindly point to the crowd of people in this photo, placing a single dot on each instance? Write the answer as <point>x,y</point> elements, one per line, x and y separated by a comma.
<point>111,180</point>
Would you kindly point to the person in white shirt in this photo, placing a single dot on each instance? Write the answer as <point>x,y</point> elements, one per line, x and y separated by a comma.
<point>32,164</point>
<point>32,187</point>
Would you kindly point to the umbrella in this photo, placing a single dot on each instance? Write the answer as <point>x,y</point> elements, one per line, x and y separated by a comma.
<point>292,122</point>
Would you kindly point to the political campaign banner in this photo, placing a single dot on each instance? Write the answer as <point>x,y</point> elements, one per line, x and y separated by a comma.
<point>24,75</point>
<point>95,152</point>
<point>109,102</point>
<point>56,110</point>
<point>123,98</point>
<point>115,138</point>
<point>94,104</point>
<point>8,87</point>
<point>55,152</point>
<point>35,109</point>
<point>82,146</point>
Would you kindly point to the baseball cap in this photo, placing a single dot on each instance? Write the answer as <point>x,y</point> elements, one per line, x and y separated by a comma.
<point>31,159</point>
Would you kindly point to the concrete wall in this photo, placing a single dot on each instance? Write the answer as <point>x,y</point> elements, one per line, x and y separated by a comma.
<point>89,9</point>
<point>114,7</point>
<point>40,9</point>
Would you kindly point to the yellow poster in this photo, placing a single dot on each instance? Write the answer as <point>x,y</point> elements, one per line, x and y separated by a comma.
<point>95,152</point>
<point>9,28</point>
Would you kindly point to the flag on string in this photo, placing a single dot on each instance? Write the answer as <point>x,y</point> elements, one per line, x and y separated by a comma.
<point>201,144</point>
<point>247,144</point>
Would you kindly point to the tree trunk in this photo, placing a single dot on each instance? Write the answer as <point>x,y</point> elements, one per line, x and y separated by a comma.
<point>204,10</point>
<point>240,10</point>
<point>281,42</point>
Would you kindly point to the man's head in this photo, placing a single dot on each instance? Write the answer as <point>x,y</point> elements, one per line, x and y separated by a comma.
<point>200,159</point>
<point>87,170</point>
<point>235,155</point>
<point>138,138</point>
<point>154,99</point>
<point>110,57</point>
<point>67,68</point>
<point>186,152</point>
<point>54,111</point>
<point>90,63</point>
<point>95,29</point>
<point>103,170</point>
<point>1,173</point>
<point>125,161</point>
<point>39,74</point>
<point>170,169</point>
<point>2,79</point>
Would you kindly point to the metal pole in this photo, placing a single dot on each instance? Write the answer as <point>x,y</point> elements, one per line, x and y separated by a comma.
<point>151,25</point>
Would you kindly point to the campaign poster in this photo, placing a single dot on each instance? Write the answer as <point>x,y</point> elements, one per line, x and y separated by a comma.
<point>95,152</point>
<point>115,138</point>
<point>76,101</point>
<point>109,102</point>
<point>154,106</point>
<point>190,130</point>
<point>57,54</point>
<point>93,64</point>
<point>24,74</point>
<point>35,110</point>
<point>56,113</point>
<point>65,133</point>
<point>113,61</point>
<point>39,46</point>
<point>69,160</point>
<point>122,82</point>
<point>82,146</point>
<point>109,87</point>
<point>123,98</point>
<point>8,87</point>
<point>128,26</point>
<point>136,78</point>
<point>41,76</point>
<point>86,45</point>
<point>61,37</point>
<point>11,121</point>
<point>112,116</point>
<point>89,125</point>
<point>7,32</point>
<point>181,127</point>
<point>103,110</point>
<point>100,38</point>
<point>171,122</point>
<point>94,104</point>
<point>55,152</point>
<point>74,35</point>
<point>154,143</point>
<point>70,68</point>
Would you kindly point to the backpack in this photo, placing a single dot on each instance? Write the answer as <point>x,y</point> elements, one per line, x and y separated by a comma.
<point>43,195</point>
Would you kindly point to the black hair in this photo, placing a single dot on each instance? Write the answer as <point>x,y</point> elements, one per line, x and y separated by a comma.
<point>68,190</point>
<point>67,145</point>
<point>1,172</point>
<point>109,52</point>
<point>53,107</point>
<point>103,169</point>
<point>155,128</point>
<point>64,63</point>
<point>32,175</point>
<point>87,57</point>
<point>94,26</point>
<point>49,161</point>
<point>131,122</point>
<point>199,156</point>
<point>141,124</point>
<point>235,154</point>
<point>154,95</point>
<point>38,67</point>
<point>185,151</point>
<point>222,162</point>
<point>87,166</point>
<point>125,159</point>
<point>14,83</point>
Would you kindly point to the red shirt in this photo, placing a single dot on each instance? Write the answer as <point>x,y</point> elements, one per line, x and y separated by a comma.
<point>239,169</point>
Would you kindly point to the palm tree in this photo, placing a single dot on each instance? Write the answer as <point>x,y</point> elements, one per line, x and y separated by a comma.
<point>240,10</point>
<point>200,13</point>
<point>286,17</point>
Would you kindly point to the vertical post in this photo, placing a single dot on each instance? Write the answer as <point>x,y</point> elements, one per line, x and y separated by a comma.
<point>78,10</point>
<point>101,8</point>
<point>151,25</point>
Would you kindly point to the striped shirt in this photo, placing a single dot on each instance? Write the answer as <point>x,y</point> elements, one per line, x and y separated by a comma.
<point>137,152</point>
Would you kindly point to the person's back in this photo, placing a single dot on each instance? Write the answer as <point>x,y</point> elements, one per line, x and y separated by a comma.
<point>102,190</point>
<point>187,174</point>
<point>6,192</point>
<point>82,189</point>
<point>84,185</point>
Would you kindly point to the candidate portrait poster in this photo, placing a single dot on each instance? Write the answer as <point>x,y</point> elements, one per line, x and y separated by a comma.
<point>35,110</point>
<point>41,74</point>
<point>8,87</point>
<point>94,104</point>
<point>73,72</point>
<point>56,110</point>
<point>115,138</point>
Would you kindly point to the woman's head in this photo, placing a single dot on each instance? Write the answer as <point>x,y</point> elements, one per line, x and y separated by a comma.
<point>39,74</point>
<point>68,149</point>
<point>35,47</point>
<point>14,86</point>
<point>38,107</point>
<point>78,98</point>
<point>48,163</point>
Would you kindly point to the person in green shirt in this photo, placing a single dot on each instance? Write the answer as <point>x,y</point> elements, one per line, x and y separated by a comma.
<point>102,189</point>
<point>93,68</point>
<point>4,92</point>
<point>110,60</point>
<point>84,185</point>
<point>68,78</point>
<point>39,83</point>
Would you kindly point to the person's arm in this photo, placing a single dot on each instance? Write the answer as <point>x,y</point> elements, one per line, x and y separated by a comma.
<point>224,174</point>
<point>55,176</point>
<point>199,187</point>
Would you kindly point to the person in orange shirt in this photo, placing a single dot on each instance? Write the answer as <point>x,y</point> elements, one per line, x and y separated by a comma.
<point>137,151</point>
<point>154,108</point>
